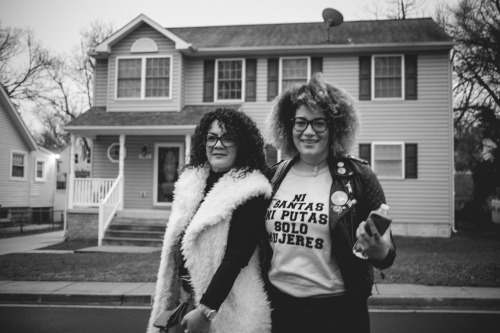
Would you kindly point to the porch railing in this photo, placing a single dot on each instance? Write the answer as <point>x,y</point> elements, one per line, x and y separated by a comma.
<point>88,192</point>
<point>109,205</point>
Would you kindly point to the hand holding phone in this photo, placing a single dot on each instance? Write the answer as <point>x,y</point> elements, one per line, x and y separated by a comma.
<point>380,221</point>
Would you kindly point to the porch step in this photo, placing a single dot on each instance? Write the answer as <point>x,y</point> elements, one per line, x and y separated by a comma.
<point>134,234</point>
<point>128,231</point>
<point>132,242</point>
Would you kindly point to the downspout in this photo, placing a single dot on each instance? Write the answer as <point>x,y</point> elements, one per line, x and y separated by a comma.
<point>452,145</point>
<point>121,171</point>
<point>71,173</point>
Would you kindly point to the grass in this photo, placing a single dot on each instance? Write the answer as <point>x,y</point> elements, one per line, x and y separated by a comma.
<point>469,258</point>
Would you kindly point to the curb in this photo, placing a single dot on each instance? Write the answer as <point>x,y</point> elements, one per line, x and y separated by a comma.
<point>145,300</point>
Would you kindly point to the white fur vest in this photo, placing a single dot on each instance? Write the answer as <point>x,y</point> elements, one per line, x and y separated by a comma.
<point>246,308</point>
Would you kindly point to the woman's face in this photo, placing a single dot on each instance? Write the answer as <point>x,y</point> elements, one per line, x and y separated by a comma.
<point>222,155</point>
<point>311,145</point>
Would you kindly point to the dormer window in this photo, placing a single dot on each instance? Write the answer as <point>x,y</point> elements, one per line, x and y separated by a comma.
<point>144,77</point>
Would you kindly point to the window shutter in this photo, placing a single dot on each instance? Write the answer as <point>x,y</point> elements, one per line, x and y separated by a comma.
<point>272,78</point>
<point>411,160</point>
<point>365,152</point>
<point>251,80</point>
<point>410,76</point>
<point>365,81</point>
<point>208,81</point>
<point>316,65</point>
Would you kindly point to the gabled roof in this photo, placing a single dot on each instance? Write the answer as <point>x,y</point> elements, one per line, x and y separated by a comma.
<point>17,120</point>
<point>423,30</point>
<point>97,119</point>
<point>105,46</point>
<point>351,35</point>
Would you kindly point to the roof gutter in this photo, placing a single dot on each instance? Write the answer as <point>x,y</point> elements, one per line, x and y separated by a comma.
<point>318,49</point>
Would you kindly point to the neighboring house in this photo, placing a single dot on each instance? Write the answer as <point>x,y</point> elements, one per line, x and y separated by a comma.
<point>27,172</point>
<point>153,84</point>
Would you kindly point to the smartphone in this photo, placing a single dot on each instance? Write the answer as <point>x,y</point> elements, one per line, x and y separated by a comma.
<point>381,222</point>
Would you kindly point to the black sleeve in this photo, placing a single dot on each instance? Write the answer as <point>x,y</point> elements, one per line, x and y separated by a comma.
<point>374,196</point>
<point>242,239</point>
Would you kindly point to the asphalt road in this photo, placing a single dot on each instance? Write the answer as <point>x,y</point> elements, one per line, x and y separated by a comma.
<point>74,319</point>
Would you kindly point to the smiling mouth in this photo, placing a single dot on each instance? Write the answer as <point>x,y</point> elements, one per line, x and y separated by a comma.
<point>309,141</point>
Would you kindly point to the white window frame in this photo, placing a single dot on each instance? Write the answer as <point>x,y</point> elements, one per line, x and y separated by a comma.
<point>43,178</point>
<point>403,158</point>
<point>402,77</point>
<point>243,80</point>
<point>280,70</point>
<point>25,173</point>
<point>143,78</point>
<point>109,152</point>
<point>182,159</point>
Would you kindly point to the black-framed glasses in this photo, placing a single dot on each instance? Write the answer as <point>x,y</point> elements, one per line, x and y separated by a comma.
<point>319,125</point>
<point>226,141</point>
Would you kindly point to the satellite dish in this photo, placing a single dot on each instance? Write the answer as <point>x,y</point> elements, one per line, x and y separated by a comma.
<point>332,17</point>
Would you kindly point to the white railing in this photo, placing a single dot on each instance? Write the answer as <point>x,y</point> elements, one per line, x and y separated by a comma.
<point>88,192</point>
<point>109,205</point>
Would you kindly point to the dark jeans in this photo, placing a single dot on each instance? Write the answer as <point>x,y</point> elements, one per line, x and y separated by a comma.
<point>313,315</point>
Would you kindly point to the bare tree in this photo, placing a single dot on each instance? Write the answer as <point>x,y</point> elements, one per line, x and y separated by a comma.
<point>475,27</point>
<point>22,61</point>
<point>69,85</point>
<point>396,9</point>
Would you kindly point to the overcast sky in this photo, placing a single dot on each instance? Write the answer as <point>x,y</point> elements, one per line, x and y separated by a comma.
<point>57,23</point>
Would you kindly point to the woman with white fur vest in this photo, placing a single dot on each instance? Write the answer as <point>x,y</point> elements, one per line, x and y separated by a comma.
<point>210,246</point>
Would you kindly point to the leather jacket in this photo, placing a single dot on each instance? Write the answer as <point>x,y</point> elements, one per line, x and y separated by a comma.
<point>355,178</point>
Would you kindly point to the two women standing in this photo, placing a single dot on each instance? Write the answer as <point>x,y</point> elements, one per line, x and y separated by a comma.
<point>314,213</point>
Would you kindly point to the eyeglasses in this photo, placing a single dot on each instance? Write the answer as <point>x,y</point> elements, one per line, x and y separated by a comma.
<point>319,125</point>
<point>226,141</point>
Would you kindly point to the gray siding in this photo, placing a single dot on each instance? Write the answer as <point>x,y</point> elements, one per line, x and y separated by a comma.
<point>139,173</point>
<point>165,47</point>
<point>101,82</point>
<point>422,206</point>
<point>42,192</point>
<point>102,167</point>
<point>13,193</point>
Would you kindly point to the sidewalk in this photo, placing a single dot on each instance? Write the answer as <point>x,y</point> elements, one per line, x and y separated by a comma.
<point>385,296</point>
<point>31,242</point>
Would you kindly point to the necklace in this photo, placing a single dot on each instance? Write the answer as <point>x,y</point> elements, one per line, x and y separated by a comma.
<point>316,166</point>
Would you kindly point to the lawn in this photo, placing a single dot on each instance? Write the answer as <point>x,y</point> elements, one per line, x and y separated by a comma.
<point>469,258</point>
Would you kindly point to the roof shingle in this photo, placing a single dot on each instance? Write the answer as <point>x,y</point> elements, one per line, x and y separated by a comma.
<point>302,34</point>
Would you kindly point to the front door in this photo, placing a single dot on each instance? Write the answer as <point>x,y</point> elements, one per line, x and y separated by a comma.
<point>169,159</point>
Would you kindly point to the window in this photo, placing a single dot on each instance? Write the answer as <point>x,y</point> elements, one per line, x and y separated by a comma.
<point>283,73</point>
<point>39,170</point>
<point>388,76</point>
<point>396,160</point>
<point>294,71</point>
<point>230,78</point>
<point>114,153</point>
<point>143,77</point>
<point>18,165</point>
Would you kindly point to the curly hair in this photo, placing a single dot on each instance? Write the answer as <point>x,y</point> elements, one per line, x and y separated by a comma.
<point>338,106</point>
<point>238,126</point>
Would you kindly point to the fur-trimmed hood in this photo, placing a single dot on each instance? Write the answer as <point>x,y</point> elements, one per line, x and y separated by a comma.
<point>205,224</point>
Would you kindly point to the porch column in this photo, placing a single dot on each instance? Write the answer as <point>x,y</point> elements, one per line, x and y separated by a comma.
<point>188,147</point>
<point>122,168</point>
<point>70,186</point>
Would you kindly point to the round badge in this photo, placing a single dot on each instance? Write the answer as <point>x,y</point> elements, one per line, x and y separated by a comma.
<point>341,170</point>
<point>337,209</point>
<point>340,164</point>
<point>339,198</point>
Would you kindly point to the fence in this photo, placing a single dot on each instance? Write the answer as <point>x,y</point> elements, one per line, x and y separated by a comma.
<point>29,220</point>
